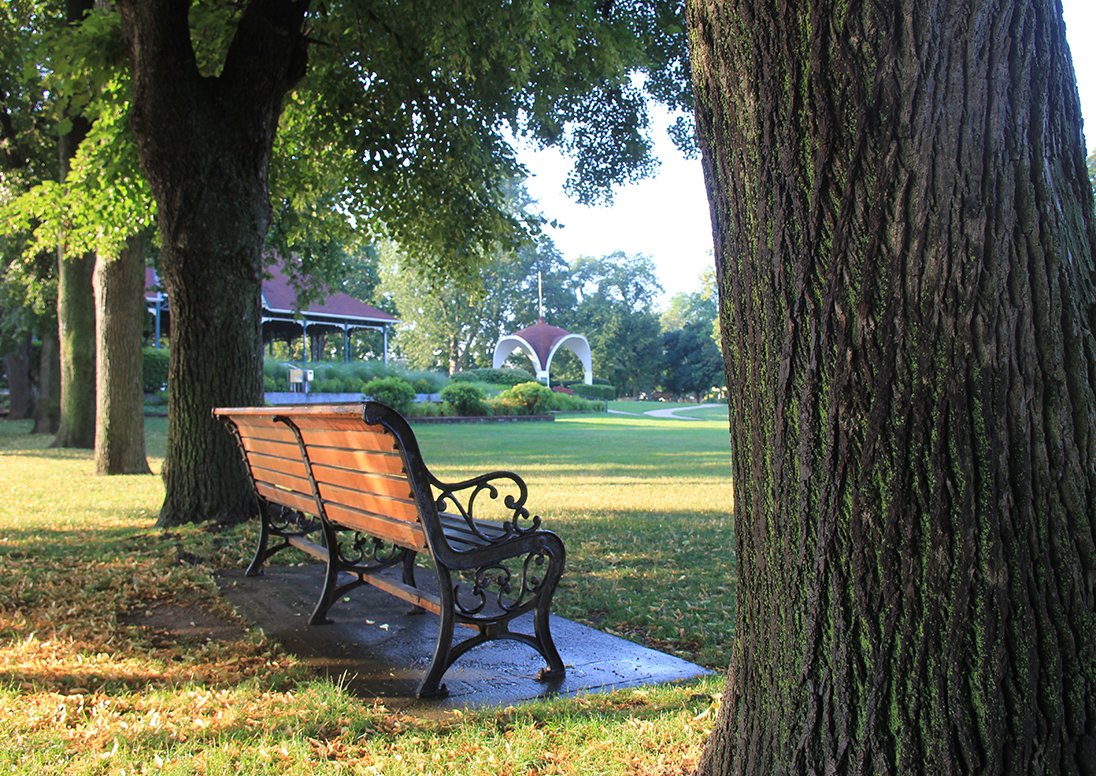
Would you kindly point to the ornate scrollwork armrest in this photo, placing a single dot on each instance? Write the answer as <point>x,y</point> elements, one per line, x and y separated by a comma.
<point>461,497</point>
<point>503,586</point>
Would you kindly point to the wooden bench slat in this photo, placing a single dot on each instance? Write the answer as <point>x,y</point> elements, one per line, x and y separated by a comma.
<point>280,449</point>
<point>284,482</point>
<point>265,431</point>
<point>290,466</point>
<point>398,509</point>
<point>342,423</point>
<point>401,532</point>
<point>381,463</point>
<point>352,440</point>
<point>396,487</point>
<point>410,594</point>
<point>291,499</point>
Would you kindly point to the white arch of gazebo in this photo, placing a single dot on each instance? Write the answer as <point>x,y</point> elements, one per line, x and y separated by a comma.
<point>576,343</point>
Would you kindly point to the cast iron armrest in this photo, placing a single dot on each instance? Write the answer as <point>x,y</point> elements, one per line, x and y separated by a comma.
<point>460,498</point>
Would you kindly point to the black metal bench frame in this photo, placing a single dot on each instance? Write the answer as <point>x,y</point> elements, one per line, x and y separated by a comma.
<point>457,542</point>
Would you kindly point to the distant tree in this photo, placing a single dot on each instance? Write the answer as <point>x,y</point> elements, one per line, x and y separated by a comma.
<point>692,306</point>
<point>690,325</point>
<point>615,312</point>
<point>75,297</point>
<point>93,216</point>
<point>693,362</point>
<point>454,325</point>
<point>119,329</point>
<point>439,325</point>
<point>28,155</point>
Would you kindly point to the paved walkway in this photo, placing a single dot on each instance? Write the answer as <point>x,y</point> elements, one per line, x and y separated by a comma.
<point>671,412</point>
<point>376,649</point>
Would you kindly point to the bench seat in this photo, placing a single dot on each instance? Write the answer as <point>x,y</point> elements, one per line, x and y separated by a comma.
<point>347,484</point>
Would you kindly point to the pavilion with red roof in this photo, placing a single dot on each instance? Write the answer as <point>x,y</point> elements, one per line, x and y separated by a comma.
<point>283,318</point>
<point>541,342</point>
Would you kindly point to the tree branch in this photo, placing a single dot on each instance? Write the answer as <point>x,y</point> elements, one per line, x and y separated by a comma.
<point>269,52</point>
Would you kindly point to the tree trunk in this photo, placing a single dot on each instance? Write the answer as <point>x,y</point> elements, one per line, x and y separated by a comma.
<point>205,144</point>
<point>47,409</point>
<point>904,249</point>
<point>76,305</point>
<point>120,415</point>
<point>76,335</point>
<point>17,365</point>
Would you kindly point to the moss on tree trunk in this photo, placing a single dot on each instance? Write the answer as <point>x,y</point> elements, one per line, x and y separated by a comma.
<point>904,247</point>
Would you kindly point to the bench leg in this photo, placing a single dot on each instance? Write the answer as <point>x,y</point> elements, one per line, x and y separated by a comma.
<point>261,550</point>
<point>331,578</point>
<point>541,627</point>
<point>546,646</point>
<point>431,686</point>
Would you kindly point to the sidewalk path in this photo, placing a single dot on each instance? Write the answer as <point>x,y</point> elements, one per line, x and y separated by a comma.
<point>671,412</point>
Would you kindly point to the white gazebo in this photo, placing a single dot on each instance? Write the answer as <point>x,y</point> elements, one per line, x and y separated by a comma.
<point>541,342</point>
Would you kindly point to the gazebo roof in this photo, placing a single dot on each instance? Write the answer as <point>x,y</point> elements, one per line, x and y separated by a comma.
<point>542,337</point>
<point>280,302</point>
<point>279,296</point>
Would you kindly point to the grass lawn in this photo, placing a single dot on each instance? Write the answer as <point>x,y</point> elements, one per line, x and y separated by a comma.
<point>643,505</point>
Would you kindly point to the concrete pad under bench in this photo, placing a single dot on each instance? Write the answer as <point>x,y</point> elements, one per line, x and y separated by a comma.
<point>379,650</point>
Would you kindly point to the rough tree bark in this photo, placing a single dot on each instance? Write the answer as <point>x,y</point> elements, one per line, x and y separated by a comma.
<point>76,305</point>
<point>205,145</point>
<point>120,317</point>
<point>904,247</point>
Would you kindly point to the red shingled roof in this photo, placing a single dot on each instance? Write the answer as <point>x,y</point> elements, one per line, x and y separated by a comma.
<point>280,296</point>
<point>541,337</point>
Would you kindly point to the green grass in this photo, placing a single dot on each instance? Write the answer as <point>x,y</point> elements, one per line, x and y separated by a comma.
<point>643,505</point>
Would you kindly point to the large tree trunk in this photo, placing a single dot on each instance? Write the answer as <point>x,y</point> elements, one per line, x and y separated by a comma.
<point>120,318</point>
<point>76,304</point>
<point>205,144</point>
<point>904,246</point>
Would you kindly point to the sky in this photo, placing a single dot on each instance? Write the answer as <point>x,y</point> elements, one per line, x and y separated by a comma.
<point>666,217</point>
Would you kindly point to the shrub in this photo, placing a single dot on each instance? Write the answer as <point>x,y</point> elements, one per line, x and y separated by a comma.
<point>426,409</point>
<point>598,392</point>
<point>153,369</point>
<point>464,399</point>
<point>424,382</point>
<point>562,402</point>
<point>531,398</point>
<point>330,385</point>
<point>509,377</point>
<point>396,392</point>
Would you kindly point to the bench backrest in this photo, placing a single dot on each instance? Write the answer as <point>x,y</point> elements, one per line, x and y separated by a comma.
<point>350,470</point>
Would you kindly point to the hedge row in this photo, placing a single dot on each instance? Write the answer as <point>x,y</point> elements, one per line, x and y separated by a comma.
<point>510,377</point>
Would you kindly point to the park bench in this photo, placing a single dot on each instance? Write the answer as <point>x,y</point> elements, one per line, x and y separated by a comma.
<point>347,484</point>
